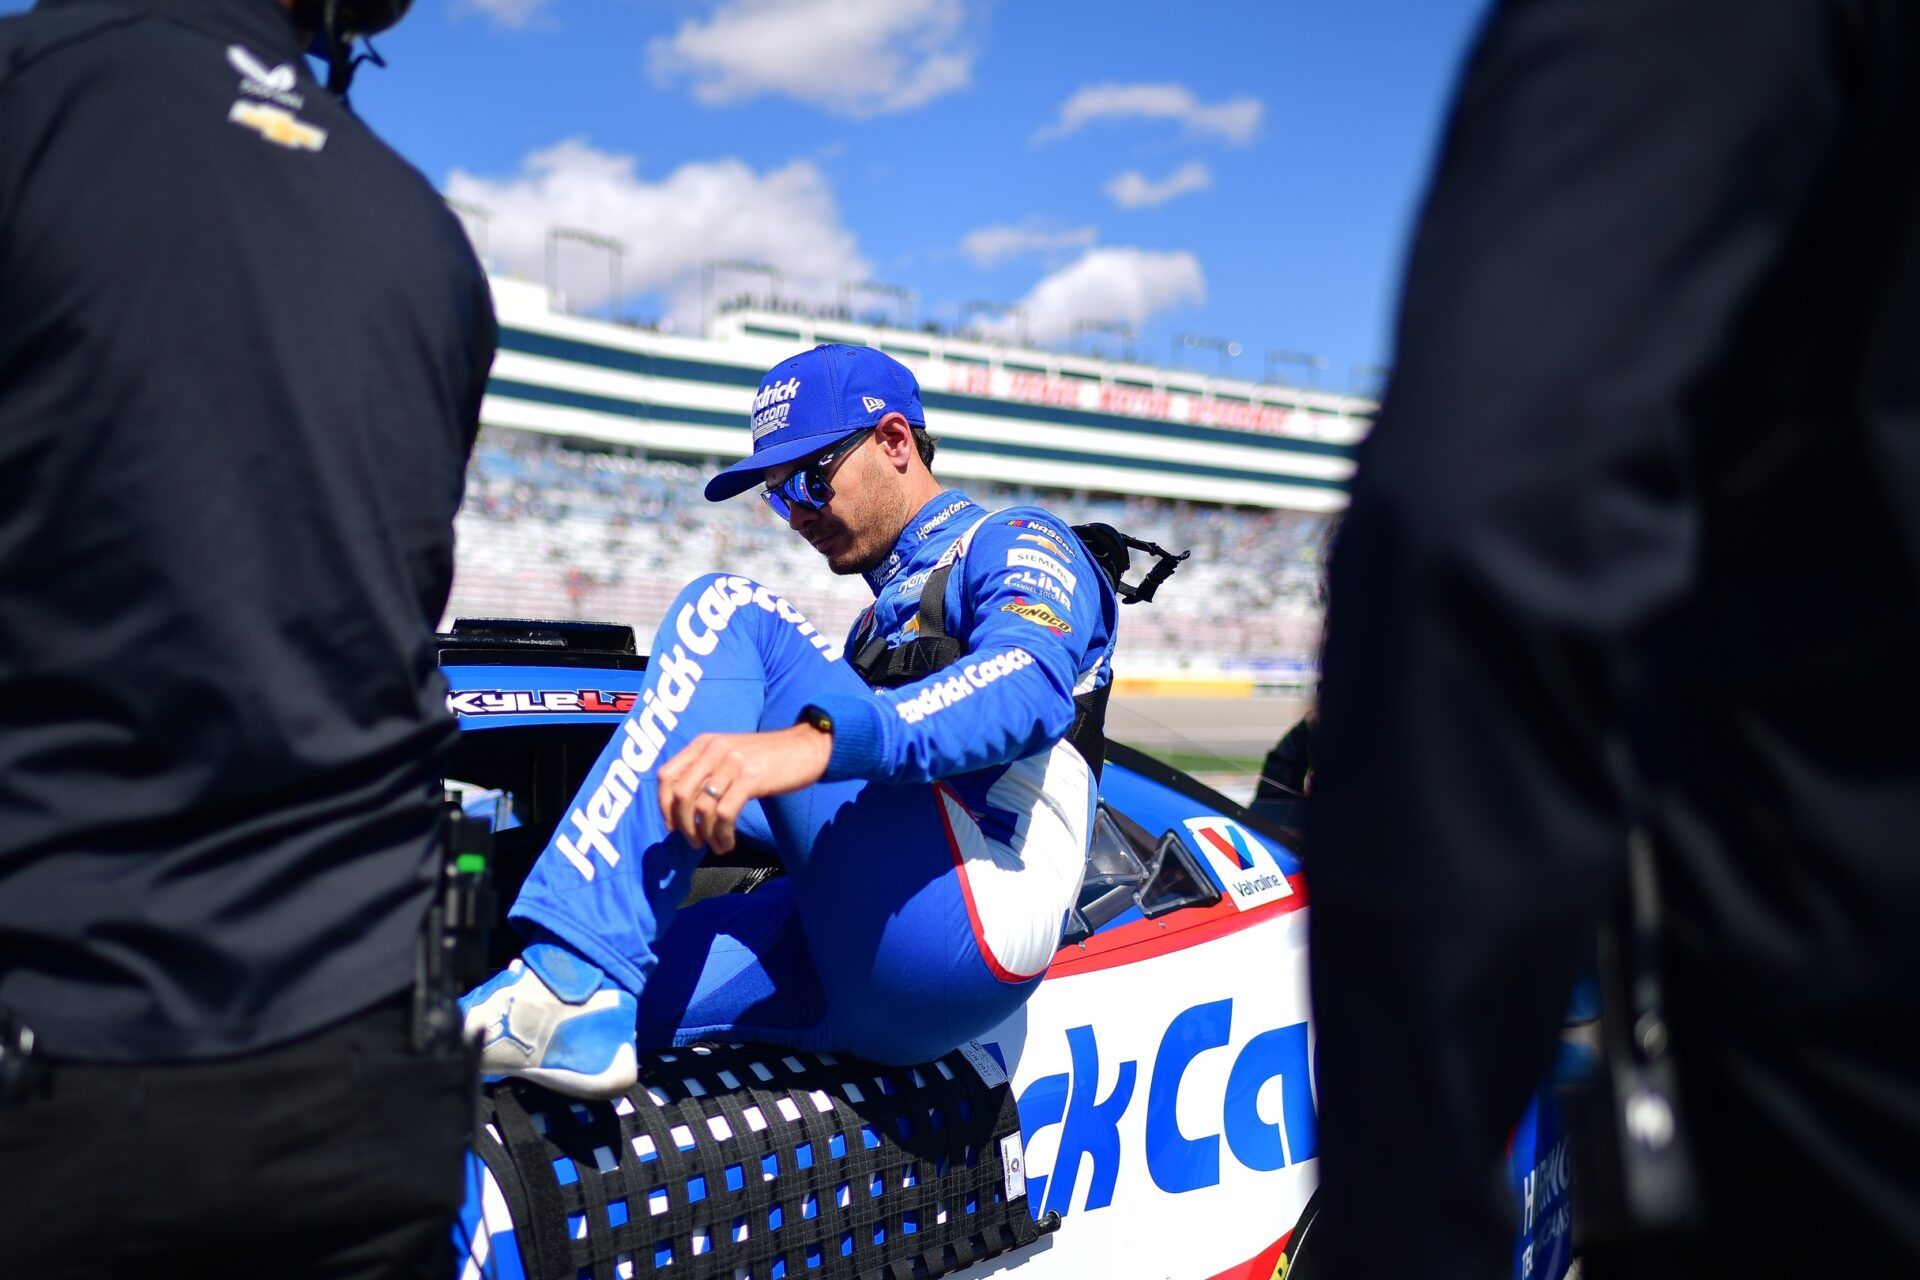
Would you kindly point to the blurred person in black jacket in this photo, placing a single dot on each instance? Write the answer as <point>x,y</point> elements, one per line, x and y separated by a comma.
<point>242,351</point>
<point>1285,772</point>
<point>1636,543</point>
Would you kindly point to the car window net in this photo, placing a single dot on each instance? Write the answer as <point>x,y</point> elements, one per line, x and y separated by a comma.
<point>728,1160</point>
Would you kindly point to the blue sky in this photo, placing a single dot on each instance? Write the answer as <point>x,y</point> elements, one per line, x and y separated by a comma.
<point>1242,170</point>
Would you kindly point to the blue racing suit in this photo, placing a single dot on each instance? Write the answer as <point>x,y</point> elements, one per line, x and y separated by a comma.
<point>929,871</point>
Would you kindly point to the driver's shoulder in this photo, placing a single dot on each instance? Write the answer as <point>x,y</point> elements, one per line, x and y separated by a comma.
<point>1030,551</point>
<point>1031,531</point>
<point>1027,516</point>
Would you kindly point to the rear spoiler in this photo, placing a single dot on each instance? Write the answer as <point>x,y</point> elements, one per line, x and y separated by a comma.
<point>535,642</point>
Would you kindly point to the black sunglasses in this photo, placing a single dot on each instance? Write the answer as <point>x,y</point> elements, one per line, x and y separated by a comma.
<point>808,486</point>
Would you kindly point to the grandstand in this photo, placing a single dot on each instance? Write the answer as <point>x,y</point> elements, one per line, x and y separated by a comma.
<point>584,494</point>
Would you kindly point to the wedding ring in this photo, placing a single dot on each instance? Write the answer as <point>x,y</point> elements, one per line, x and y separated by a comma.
<point>712,790</point>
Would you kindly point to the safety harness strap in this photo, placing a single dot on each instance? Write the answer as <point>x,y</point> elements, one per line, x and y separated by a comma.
<point>1088,735</point>
<point>926,653</point>
<point>932,648</point>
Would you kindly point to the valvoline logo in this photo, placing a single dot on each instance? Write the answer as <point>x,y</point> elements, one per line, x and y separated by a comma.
<point>1092,1135</point>
<point>1226,840</point>
<point>1244,866</point>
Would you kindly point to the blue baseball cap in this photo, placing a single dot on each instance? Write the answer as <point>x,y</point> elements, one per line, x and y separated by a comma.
<point>808,402</point>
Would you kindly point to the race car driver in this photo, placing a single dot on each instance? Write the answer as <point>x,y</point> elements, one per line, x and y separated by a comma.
<point>931,794</point>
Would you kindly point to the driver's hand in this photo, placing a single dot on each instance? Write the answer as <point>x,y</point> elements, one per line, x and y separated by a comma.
<point>704,787</point>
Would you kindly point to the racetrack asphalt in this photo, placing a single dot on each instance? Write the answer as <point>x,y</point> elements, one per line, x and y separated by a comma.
<point>1232,727</point>
<point>1237,729</point>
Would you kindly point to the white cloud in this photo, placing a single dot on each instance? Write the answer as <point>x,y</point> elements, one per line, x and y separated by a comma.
<point>854,57</point>
<point>1236,119</point>
<point>1118,284</point>
<point>785,217</point>
<point>1134,190</point>
<point>508,13</point>
<point>990,246</point>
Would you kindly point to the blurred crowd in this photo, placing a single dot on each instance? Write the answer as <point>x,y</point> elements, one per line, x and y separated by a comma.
<point>555,528</point>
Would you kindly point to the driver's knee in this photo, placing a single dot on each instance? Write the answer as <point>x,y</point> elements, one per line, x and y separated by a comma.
<point>703,611</point>
<point>715,605</point>
<point>721,589</point>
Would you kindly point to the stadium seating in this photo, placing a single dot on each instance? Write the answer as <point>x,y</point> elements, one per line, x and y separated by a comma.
<point>555,528</point>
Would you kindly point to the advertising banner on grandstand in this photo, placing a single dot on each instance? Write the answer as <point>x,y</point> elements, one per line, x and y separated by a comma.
<point>1240,413</point>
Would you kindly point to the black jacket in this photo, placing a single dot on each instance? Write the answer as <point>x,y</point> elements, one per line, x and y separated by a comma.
<point>242,350</point>
<point>1638,536</point>
<point>1283,774</point>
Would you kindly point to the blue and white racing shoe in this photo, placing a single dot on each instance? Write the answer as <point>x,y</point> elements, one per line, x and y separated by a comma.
<point>552,1018</point>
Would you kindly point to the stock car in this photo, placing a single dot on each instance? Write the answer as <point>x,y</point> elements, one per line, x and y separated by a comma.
<point>1149,1113</point>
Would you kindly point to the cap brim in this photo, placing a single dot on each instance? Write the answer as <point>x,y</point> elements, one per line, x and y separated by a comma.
<point>746,473</point>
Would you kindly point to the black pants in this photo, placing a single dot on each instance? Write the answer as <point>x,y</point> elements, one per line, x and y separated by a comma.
<point>338,1155</point>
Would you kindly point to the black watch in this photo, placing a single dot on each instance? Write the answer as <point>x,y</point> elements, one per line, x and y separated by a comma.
<point>817,718</point>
